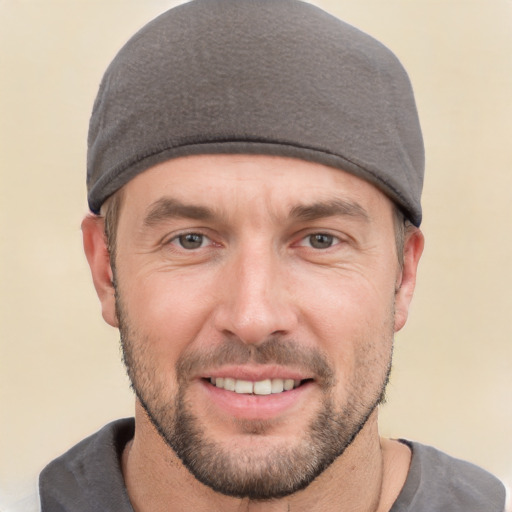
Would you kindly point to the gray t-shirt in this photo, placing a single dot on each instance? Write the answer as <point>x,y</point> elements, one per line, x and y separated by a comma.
<point>88,478</point>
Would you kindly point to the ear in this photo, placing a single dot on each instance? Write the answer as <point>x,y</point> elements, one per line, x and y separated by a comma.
<point>95,247</point>
<point>413,248</point>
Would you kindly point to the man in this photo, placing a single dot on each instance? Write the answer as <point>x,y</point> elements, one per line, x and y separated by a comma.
<point>254,176</point>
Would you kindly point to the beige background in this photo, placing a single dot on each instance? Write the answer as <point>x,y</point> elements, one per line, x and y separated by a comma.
<point>61,376</point>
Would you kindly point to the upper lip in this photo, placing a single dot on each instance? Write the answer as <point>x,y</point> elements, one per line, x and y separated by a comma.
<point>256,373</point>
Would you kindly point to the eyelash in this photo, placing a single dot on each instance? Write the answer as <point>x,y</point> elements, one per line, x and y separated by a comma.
<point>178,240</point>
<point>305,241</point>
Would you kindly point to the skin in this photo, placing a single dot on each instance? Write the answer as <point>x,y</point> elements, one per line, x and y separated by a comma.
<point>257,275</point>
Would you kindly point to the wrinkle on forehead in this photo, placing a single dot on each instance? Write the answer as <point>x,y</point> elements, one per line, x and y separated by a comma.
<point>222,186</point>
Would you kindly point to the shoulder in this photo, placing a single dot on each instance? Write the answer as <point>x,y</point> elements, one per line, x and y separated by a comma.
<point>439,482</point>
<point>88,477</point>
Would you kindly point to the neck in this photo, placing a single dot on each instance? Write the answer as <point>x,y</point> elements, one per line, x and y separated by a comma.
<point>366,478</point>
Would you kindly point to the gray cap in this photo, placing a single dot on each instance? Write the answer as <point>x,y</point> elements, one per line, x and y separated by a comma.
<point>276,77</point>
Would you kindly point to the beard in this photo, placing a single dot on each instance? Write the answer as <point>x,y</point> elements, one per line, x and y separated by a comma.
<point>264,472</point>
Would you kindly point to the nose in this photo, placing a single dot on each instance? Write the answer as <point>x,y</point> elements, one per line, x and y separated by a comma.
<point>256,300</point>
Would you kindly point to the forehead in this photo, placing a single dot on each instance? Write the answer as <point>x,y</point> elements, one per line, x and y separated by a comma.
<point>259,182</point>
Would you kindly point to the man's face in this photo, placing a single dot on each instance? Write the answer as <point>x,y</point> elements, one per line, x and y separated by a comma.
<point>256,301</point>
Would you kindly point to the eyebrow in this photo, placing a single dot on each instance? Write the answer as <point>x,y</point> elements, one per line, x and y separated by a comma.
<point>168,208</point>
<point>335,207</point>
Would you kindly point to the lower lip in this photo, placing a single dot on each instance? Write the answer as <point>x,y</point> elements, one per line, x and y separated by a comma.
<point>256,407</point>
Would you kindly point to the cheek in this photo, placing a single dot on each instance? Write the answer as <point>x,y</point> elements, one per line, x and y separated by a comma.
<point>346,301</point>
<point>352,319</point>
<point>167,311</point>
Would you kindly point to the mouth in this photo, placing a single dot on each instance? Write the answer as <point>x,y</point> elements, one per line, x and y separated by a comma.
<point>256,394</point>
<point>260,387</point>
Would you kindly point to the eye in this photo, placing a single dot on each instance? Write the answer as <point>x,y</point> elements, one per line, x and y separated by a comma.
<point>320,241</point>
<point>191,241</point>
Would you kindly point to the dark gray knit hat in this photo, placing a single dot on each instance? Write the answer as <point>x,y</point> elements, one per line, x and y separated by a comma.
<point>276,77</point>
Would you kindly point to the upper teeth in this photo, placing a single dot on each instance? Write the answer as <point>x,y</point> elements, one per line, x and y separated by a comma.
<point>261,387</point>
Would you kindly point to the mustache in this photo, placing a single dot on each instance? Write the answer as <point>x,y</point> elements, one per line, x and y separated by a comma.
<point>274,350</point>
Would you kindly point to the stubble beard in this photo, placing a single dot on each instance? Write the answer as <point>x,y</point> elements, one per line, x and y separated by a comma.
<point>259,474</point>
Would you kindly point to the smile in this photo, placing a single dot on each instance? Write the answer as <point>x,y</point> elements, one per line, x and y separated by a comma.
<point>261,387</point>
